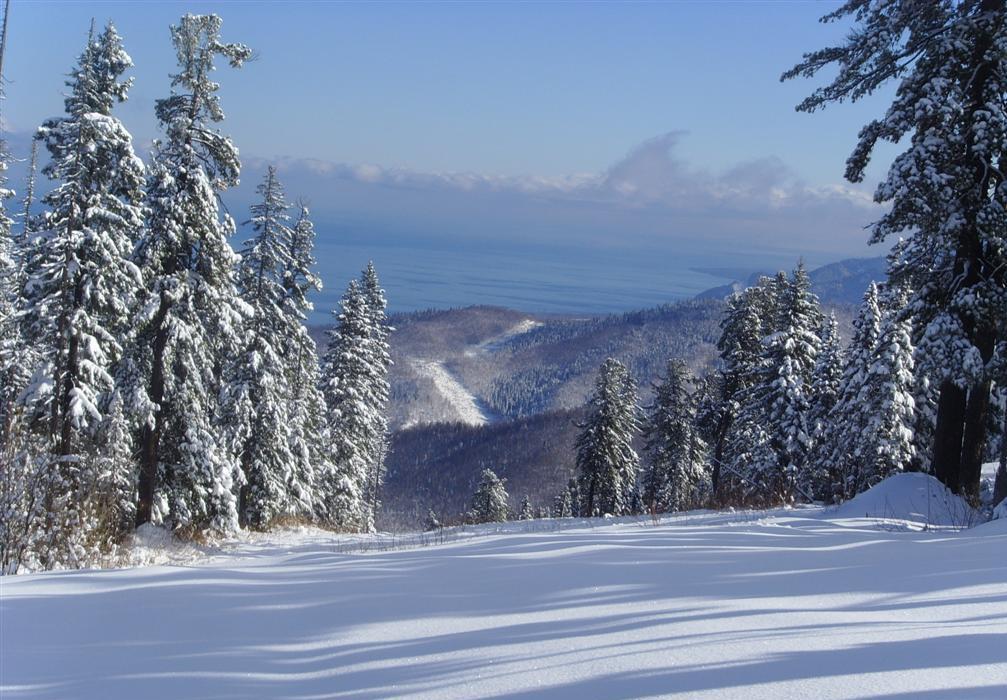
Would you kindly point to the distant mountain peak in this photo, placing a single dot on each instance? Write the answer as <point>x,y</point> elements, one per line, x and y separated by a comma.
<point>840,282</point>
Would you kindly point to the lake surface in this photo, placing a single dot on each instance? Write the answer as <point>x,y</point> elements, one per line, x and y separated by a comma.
<point>534,279</point>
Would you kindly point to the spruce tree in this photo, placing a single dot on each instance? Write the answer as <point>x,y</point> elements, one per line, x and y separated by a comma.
<point>740,346</point>
<point>673,477</point>
<point>348,382</point>
<point>432,523</point>
<point>837,446</point>
<point>885,446</point>
<point>13,374</point>
<point>84,286</point>
<point>606,462</point>
<point>826,381</point>
<point>944,190</point>
<point>192,316</point>
<point>489,503</point>
<point>573,496</point>
<point>308,425</point>
<point>780,402</point>
<point>526,512</point>
<point>381,361</point>
<point>256,390</point>
<point>827,375</point>
<point>21,492</point>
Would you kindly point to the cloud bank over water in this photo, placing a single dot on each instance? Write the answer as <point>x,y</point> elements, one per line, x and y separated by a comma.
<point>651,200</point>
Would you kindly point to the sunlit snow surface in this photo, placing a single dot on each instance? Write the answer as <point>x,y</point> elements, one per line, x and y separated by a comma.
<point>804,603</point>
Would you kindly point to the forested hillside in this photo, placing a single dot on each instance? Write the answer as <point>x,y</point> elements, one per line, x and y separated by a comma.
<point>436,467</point>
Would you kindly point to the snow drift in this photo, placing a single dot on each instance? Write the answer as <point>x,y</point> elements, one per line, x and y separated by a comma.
<point>913,498</point>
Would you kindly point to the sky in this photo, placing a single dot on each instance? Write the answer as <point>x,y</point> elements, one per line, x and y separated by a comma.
<point>641,126</point>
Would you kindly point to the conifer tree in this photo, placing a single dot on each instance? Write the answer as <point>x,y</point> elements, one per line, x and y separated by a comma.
<point>673,476</point>
<point>381,361</point>
<point>606,462</point>
<point>827,375</point>
<point>749,313</point>
<point>825,386</point>
<point>780,401</point>
<point>489,503</point>
<point>308,425</point>
<point>20,475</point>
<point>561,505</point>
<point>348,383</point>
<point>256,391</point>
<point>432,523</point>
<point>526,512</point>
<point>573,495</point>
<point>837,448</point>
<point>13,375</point>
<point>885,446</point>
<point>945,189</point>
<point>192,316</point>
<point>84,285</point>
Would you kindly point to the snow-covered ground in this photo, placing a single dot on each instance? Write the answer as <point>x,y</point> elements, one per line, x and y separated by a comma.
<point>465,405</point>
<point>496,342</point>
<point>461,400</point>
<point>803,603</point>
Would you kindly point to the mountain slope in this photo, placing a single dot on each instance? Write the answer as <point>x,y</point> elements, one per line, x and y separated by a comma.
<point>840,283</point>
<point>778,604</point>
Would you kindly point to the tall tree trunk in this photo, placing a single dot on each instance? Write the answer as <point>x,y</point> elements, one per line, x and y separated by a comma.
<point>718,456</point>
<point>150,436</point>
<point>948,435</point>
<point>977,420</point>
<point>1000,485</point>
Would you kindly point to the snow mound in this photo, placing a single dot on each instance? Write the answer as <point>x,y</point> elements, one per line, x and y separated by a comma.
<point>911,498</point>
<point>991,529</point>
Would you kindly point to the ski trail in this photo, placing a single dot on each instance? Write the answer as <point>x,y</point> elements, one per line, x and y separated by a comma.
<point>467,407</point>
<point>496,342</point>
<point>461,399</point>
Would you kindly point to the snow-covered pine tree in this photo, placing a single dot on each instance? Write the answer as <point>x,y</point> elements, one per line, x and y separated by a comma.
<point>489,503</point>
<point>114,480</point>
<point>573,494</point>
<point>20,474</point>
<point>348,383</point>
<point>562,505</point>
<point>749,315</point>
<point>308,423</point>
<point>13,375</point>
<point>192,317</point>
<point>828,373</point>
<point>825,385</point>
<point>671,478</point>
<point>381,359</point>
<point>432,522</point>
<point>780,402</point>
<point>84,286</point>
<point>885,445</point>
<point>837,446</point>
<point>945,189</point>
<point>256,393</point>
<point>606,462</point>
<point>526,512</point>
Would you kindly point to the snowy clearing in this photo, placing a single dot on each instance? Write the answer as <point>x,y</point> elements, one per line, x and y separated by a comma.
<point>787,603</point>
<point>465,405</point>
<point>496,342</point>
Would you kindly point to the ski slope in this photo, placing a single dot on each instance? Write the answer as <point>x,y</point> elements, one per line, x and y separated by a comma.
<point>462,401</point>
<point>803,603</point>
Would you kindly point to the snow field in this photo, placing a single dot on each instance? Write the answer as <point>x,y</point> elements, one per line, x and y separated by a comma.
<point>787,603</point>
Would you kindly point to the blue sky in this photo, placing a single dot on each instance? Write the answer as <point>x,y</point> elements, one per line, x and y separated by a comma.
<point>649,126</point>
<point>501,88</point>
